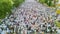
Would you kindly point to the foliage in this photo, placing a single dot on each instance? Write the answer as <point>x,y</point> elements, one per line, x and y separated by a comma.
<point>50,3</point>
<point>17,2</point>
<point>57,23</point>
<point>5,7</point>
<point>57,11</point>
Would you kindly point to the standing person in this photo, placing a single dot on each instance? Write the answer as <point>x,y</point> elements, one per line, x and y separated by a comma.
<point>51,30</point>
<point>0,30</point>
<point>58,31</point>
<point>8,31</point>
<point>3,32</point>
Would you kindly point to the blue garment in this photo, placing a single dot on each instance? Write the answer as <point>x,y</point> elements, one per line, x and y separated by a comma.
<point>8,30</point>
<point>3,32</point>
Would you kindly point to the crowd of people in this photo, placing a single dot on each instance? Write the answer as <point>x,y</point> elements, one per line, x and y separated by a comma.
<point>30,20</point>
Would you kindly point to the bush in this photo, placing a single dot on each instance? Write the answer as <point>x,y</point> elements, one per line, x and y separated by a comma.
<point>17,2</point>
<point>57,24</point>
<point>50,3</point>
<point>42,1</point>
<point>5,7</point>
